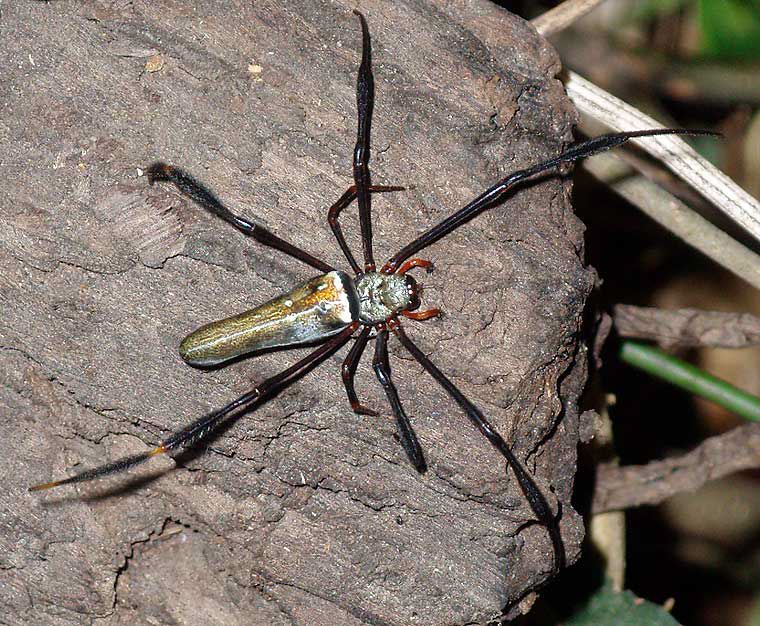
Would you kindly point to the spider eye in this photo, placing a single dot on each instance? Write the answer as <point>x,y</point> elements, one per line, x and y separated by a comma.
<point>414,293</point>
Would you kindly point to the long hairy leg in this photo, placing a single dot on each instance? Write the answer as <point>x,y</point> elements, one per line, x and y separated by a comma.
<point>196,191</point>
<point>348,372</point>
<point>337,208</point>
<point>203,426</point>
<point>365,102</point>
<point>382,369</point>
<point>533,495</point>
<point>495,194</point>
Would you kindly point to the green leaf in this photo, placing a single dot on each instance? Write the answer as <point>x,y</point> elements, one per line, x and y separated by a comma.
<point>730,28</point>
<point>621,609</point>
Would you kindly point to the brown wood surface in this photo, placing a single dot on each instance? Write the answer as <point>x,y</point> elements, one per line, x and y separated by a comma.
<point>302,512</point>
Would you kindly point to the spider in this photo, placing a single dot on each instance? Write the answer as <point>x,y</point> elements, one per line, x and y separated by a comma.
<point>334,306</point>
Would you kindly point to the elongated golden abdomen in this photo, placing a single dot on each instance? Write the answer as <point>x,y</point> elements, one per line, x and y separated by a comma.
<point>320,307</point>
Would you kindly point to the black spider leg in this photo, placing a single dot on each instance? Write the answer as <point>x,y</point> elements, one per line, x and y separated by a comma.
<point>203,426</point>
<point>348,371</point>
<point>365,101</point>
<point>201,195</point>
<point>533,495</point>
<point>337,208</point>
<point>382,369</point>
<point>495,194</point>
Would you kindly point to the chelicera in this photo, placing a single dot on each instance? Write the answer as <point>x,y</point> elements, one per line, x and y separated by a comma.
<point>335,306</point>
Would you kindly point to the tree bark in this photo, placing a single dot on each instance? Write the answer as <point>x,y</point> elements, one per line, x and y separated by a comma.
<point>301,512</point>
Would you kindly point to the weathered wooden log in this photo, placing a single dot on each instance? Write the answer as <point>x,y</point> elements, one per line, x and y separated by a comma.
<point>301,512</point>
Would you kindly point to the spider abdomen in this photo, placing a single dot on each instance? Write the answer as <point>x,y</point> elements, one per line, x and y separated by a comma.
<point>316,309</point>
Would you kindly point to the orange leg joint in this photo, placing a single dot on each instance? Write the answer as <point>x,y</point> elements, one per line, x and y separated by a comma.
<point>421,316</point>
<point>412,263</point>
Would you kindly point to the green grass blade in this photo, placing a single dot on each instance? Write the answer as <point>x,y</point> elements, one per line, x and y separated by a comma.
<point>686,376</point>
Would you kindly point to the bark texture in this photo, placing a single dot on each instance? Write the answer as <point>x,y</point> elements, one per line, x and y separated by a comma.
<point>302,512</point>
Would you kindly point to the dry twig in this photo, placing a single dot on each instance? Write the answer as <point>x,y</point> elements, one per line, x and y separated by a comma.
<point>595,103</point>
<point>688,327</point>
<point>620,488</point>
<point>672,214</point>
<point>672,151</point>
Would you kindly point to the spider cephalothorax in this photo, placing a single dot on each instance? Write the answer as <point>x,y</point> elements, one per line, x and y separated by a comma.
<point>382,296</point>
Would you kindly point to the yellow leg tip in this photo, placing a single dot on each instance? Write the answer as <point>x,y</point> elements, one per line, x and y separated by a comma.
<point>158,450</point>
<point>43,486</point>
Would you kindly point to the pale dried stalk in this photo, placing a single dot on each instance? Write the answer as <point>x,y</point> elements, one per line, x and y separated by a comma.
<point>671,150</point>
<point>560,17</point>
<point>593,102</point>
<point>674,215</point>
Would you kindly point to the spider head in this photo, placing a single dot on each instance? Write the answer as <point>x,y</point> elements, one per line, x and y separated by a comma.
<point>414,291</point>
<point>384,295</point>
